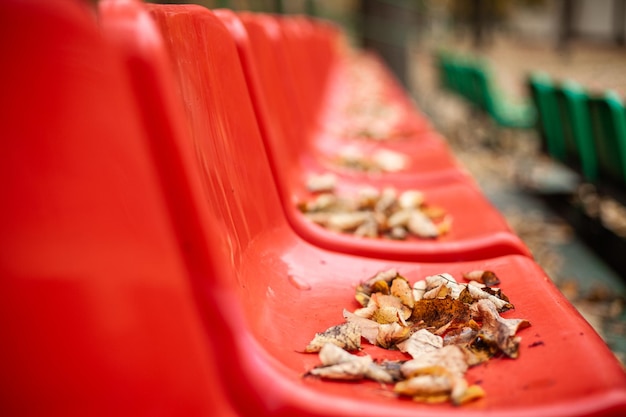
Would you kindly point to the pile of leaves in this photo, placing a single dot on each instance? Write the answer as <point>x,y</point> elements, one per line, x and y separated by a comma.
<point>373,213</point>
<point>369,110</point>
<point>445,326</point>
<point>381,160</point>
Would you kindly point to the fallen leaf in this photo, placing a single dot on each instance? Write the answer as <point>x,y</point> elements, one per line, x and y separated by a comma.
<point>436,312</point>
<point>373,213</point>
<point>451,358</point>
<point>390,334</point>
<point>350,371</point>
<point>425,386</point>
<point>346,335</point>
<point>368,328</point>
<point>421,225</point>
<point>419,289</point>
<point>339,364</point>
<point>378,283</point>
<point>321,182</point>
<point>401,289</point>
<point>489,278</point>
<point>420,342</point>
<point>480,294</point>
<point>434,281</point>
<point>390,309</point>
<point>463,393</point>
<point>497,329</point>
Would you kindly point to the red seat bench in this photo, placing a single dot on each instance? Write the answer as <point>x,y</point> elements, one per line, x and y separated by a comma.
<point>264,291</point>
<point>478,230</point>
<point>147,272</point>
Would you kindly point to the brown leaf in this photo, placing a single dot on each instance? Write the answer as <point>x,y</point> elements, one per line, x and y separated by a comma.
<point>346,336</point>
<point>465,296</point>
<point>390,309</point>
<point>498,330</point>
<point>401,289</point>
<point>390,334</point>
<point>438,311</point>
<point>480,349</point>
<point>489,278</point>
<point>378,283</point>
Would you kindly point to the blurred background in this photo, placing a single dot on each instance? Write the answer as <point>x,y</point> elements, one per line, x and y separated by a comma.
<point>395,27</point>
<point>576,233</point>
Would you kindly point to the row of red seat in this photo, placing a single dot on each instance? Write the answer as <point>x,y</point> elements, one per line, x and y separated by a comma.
<point>300,141</point>
<point>152,257</point>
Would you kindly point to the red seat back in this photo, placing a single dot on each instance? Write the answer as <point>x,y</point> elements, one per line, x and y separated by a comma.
<point>97,314</point>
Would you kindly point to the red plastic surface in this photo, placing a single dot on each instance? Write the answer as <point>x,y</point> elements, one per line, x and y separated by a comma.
<point>478,230</point>
<point>263,291</point>
<point>289,144</point>
<point>97,314</point>
<point>309,70</point>
<point>132,288</point>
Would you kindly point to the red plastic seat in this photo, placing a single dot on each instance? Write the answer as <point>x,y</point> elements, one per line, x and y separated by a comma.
<point>310,69</point>
<point>97,314</point>
<point>284,127</point>
<point>263,292</point>
<point>478,230</point>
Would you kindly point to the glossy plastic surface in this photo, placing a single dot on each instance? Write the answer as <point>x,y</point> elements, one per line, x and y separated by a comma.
<point>478,230</point>
<point>131,289</point>
<point>97,314</point>
<point>266,291</point>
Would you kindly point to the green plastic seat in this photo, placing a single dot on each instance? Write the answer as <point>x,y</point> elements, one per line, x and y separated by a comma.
<point>459,73</point>
<point>469,77</point>
<point>496,104</point>
<point>542,93</point>
<point>442,63</point>
<point>482,97</point>
<point>574,121</point>
<point>608,127</point>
